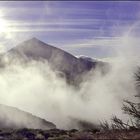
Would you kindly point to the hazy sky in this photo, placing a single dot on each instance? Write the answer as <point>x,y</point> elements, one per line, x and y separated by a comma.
<point>86,28</point>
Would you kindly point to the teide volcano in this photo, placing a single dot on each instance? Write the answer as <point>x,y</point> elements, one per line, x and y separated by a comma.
<point>61,61</point>
<point>71,67</point>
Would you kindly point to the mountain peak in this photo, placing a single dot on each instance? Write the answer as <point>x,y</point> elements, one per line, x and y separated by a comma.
<point>38,49</point>
<point>34,39</point>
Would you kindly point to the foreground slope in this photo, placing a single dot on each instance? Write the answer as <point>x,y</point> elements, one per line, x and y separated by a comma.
<point>57,134</point>
<point>11,117</point>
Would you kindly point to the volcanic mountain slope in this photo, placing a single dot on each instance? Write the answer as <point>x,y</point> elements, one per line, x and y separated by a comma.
<point>11,117</point>
<point>72,67</point>
<point>59,60</point>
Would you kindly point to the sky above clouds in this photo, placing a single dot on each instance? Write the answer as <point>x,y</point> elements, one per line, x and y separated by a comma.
<point>90,28</point>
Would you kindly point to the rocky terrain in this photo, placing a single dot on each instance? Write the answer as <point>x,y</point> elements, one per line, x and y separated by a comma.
<point>57,134</point>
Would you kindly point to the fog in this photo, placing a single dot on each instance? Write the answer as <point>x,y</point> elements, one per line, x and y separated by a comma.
<point>35,88</point>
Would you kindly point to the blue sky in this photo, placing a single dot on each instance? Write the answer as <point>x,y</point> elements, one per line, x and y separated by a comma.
<point>87,28</point>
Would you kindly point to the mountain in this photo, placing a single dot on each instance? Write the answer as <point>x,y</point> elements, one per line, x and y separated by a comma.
<point>11,117</point>
<point>72,67</point>
<point>59,60</point>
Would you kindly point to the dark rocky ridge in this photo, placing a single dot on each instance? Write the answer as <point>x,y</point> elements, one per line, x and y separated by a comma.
<point>11,117</point>
<point>57,134</point>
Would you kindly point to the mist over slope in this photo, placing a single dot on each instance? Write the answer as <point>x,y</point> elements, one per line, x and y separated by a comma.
<point>11,117</point>
<point>29,81</point>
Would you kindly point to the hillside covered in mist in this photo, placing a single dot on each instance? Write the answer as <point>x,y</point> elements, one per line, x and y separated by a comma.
<point>71,92</point>
<point>62,64</point>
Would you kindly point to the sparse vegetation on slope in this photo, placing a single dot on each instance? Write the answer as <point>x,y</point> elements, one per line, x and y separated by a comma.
<point>130,108</point>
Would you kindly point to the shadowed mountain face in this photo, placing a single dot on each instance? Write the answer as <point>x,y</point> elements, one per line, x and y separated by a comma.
<point>11,117</point>
<point>59,60</point>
